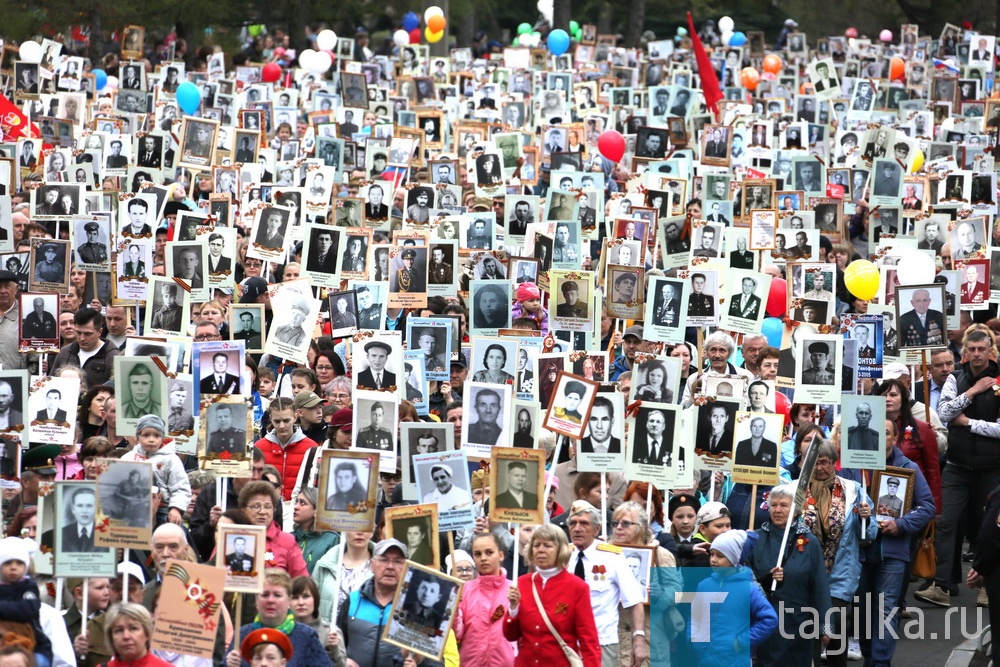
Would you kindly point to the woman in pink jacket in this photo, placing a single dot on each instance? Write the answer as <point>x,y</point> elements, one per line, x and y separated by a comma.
<point>484,600</point>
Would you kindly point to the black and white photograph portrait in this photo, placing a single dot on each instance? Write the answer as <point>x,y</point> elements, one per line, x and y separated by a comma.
<point>49,265</point>
<point>39,321</point>
<point>488,414</point>
<point>168,312</point>
<point>125,494</point>
<point>894,492</point>
<point>490,306</point>
<point>756,440</point>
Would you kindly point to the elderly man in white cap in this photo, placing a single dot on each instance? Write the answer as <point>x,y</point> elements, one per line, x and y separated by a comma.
<point>446,495</point>
<point>611,583</point>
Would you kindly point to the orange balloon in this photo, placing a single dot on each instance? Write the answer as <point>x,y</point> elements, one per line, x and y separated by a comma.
<point>897,69</point>
<point>806,88</point>
<point>772,63</point>
<point>436,23</point>
<point>749,77</point>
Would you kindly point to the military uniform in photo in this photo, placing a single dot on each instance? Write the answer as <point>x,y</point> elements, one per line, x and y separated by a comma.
<point>230,440</point>
<point>374,438</point>
<point>916,333</point>
<point>240,563</point>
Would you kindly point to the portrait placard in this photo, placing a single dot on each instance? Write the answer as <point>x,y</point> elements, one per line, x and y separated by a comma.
<point>321,249</point>
<point>182,424</point>
<point>442,479</point>
<point>756,447</point>
<point>348,486</point>
<point>525,420</point>
<point>665,312</point>
<point>39,326</point>
<point>50,264</point>
<point>223,441</point>
<point>920,314</point>
<point>271,233</point>
<point>192,598</point>
<point>641,560</point>
<point>421,438</point>
<point>134,261</point>
<point>217,366</point>
<point>294,320</point>
<point>489,415</point>
<point>431,337</point>
<point>416,526</point>
<point>819,368</point>
<point>374,427</point>
<point>243,556</point>
<point>424,608</point>
<point>569,408</point>
<point>141,390</point>
<point>573,293</point>
<point>862,428</point>
<point>93,242</point>
<point>714,428</point>
<point>625,291</point>
<point>124,512</point>
<point>748,293</point>
<point>517,481</point>
<point>52,407</point>
<point>246,323</point>
<point>407,276</point>
<point>601,448</point>
<point>169,310</point>
<point>491,311</point>
<point>13,427</point>
<point>187,262</point>
<point>77,555</point>
<point>893,488</point>
<point>656,453</point>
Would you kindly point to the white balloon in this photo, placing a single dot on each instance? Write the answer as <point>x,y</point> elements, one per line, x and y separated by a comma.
<point>726,36</point>
<point>726,24</point>
<point>401,38</point>
<point>546,8</point>
<point>320,62</point>
<point>326,40</point>
<point>112,83</point>
<point>30,52</point>
<point>915,268</point>
<point>432,11</point>
<point>306,59</point>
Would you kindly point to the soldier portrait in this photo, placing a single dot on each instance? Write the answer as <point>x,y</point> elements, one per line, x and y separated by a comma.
<point>346,488</point>
<point>920,313</point>
<point>240,554</point>
<point>895,492</point>
<point>227,436</point>
<point>440,271</point>
<point>819,365</point>
<point>375,424</point>
<point>94,249</point>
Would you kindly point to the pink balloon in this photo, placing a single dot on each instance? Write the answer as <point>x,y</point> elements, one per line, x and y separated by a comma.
<point>611,144</point>
<point>885,35</point>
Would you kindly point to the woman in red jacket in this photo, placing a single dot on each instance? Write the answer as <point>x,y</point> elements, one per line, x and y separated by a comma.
<point>916,438</point>
<point>565,599</point>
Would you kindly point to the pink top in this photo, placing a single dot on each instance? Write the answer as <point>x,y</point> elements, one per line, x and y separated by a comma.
<point>479,625</point>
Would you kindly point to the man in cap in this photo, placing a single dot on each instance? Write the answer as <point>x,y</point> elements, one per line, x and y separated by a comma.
<point>376,376</point>
<point>49,269</point>
<point>408,279</point>
<point>631,342</point>
<point>309,413</point>
<point>92,252</point>
<point>818,373</point>
<point>863,437</point>
<point>624,288</point>
<point>572,396</point>
<point>745,305</point>
<point>446,495</point>
<point>612,584</point>
<point>142,394</point>
<point>293,333</point>
<point>37,466</point>
<point>571,305</point>
<point>38,324</point>
<point>374,436</point>
<point>180,418</point>
<point>168,316</point>
<point>889,504</point>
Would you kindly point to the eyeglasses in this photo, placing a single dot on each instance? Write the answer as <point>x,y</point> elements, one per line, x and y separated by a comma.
<point>257,507</point>
<point>398,562</point>
<point>208,337</point>
<point>823,463</point>
<point>465,570</point>
<point>339,397</point>
<point>623,523</point>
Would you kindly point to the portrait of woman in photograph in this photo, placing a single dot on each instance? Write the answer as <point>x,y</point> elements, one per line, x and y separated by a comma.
<point>494,361</point>
<point>655,387</point>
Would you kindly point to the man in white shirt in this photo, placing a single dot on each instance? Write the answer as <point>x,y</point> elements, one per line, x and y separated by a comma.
<point>447,496</point>
<point>611,583</point>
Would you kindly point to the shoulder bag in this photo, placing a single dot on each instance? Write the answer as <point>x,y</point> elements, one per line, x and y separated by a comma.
<point>925,559</point>
<point>572,656</point>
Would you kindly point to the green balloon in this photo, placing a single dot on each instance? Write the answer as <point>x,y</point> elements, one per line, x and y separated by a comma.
<point>515,42</point>
<point>536,35</point>
<point>256,30</point>
<point>524,29</point>
<point>573,27</point>
<point>578,35</point>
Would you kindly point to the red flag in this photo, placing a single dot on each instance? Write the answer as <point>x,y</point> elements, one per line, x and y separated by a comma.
<point>709,81</point>
<point>13,123</point>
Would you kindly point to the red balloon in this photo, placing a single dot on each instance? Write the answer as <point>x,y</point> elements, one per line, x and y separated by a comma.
<point>783,407</point>
<point>611,144</point>
<point>271,72</point>
<point>415,36</point>
<point>777,298</point>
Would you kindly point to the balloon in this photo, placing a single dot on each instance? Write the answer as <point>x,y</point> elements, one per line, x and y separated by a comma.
<point>326,40</point>
<point>578,35</point>
<point>432,37</point>
<point>410,21</point>
<point>100,78</point>
<point>777,298</point>
<point>400,37</point>
<point>30,51</point>
<point>415,36</point>
<point>112,83</point>
<point>524,29</point>
<point>682,31</point>
<point>436,24</point>
<point>611,145</point>
<point>321,62</point>
<point>915,268</point>
<point>851,33</point>
<point>749,78</point>
<point>738,39</point>
<point>861,279</point>
<point>256,30</point>
<point>546,9</point>
<point>918,161</point>
<point>897,69</point>
<point>573,27</point>
<point>726,24</point>
<point>188,97</point>
<point>885,35</point>
<point>773,329</point>
<point>772,63</point>
<point>271,72</point>
<point>432,11</point>
<point>558,42</point>
<point>783,406</point>
<point>726,36</point>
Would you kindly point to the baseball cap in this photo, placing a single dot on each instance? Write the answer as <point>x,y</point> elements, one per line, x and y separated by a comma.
<point>307,399</point>
<point>634,330</point>
<point>894,371</point>
<point>709,512</point>
<point>390,543</point>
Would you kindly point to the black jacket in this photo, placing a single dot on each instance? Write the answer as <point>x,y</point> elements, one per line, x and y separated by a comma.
<point>98,368</point>
<point>966,448</point>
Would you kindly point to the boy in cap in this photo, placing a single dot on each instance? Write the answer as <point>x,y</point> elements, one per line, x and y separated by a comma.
<point>19,598</point>
<point>168,469</point>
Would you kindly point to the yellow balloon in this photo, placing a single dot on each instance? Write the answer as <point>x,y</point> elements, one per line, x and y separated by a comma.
<point>918,161</point>
<point>433,37</point>
<point>862,279</point>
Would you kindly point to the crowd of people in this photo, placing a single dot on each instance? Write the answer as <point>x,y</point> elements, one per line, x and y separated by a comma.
<point>227,270</point>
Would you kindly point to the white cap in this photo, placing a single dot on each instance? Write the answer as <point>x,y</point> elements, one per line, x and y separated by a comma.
<point>133,570</point>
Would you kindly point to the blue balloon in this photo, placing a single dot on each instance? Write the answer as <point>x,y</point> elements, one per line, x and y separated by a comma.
<point>558,42</point>
<point>738,39</point>
<point>188,97</point>
<point>410,21</point>
<point>100,78</point>
<point>773,329</point>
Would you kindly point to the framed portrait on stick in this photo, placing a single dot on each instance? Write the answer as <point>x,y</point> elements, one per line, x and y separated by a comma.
<point>893,489</point>
<point>348,484</point>
<point>416,526</point>
<point>124,513</point>
<point>569,407</point>
<point>424,608</point>
<point>517,476</point>
<point>242,553</point>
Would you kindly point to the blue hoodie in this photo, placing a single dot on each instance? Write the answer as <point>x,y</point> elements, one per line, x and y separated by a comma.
<point>733,635</point>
